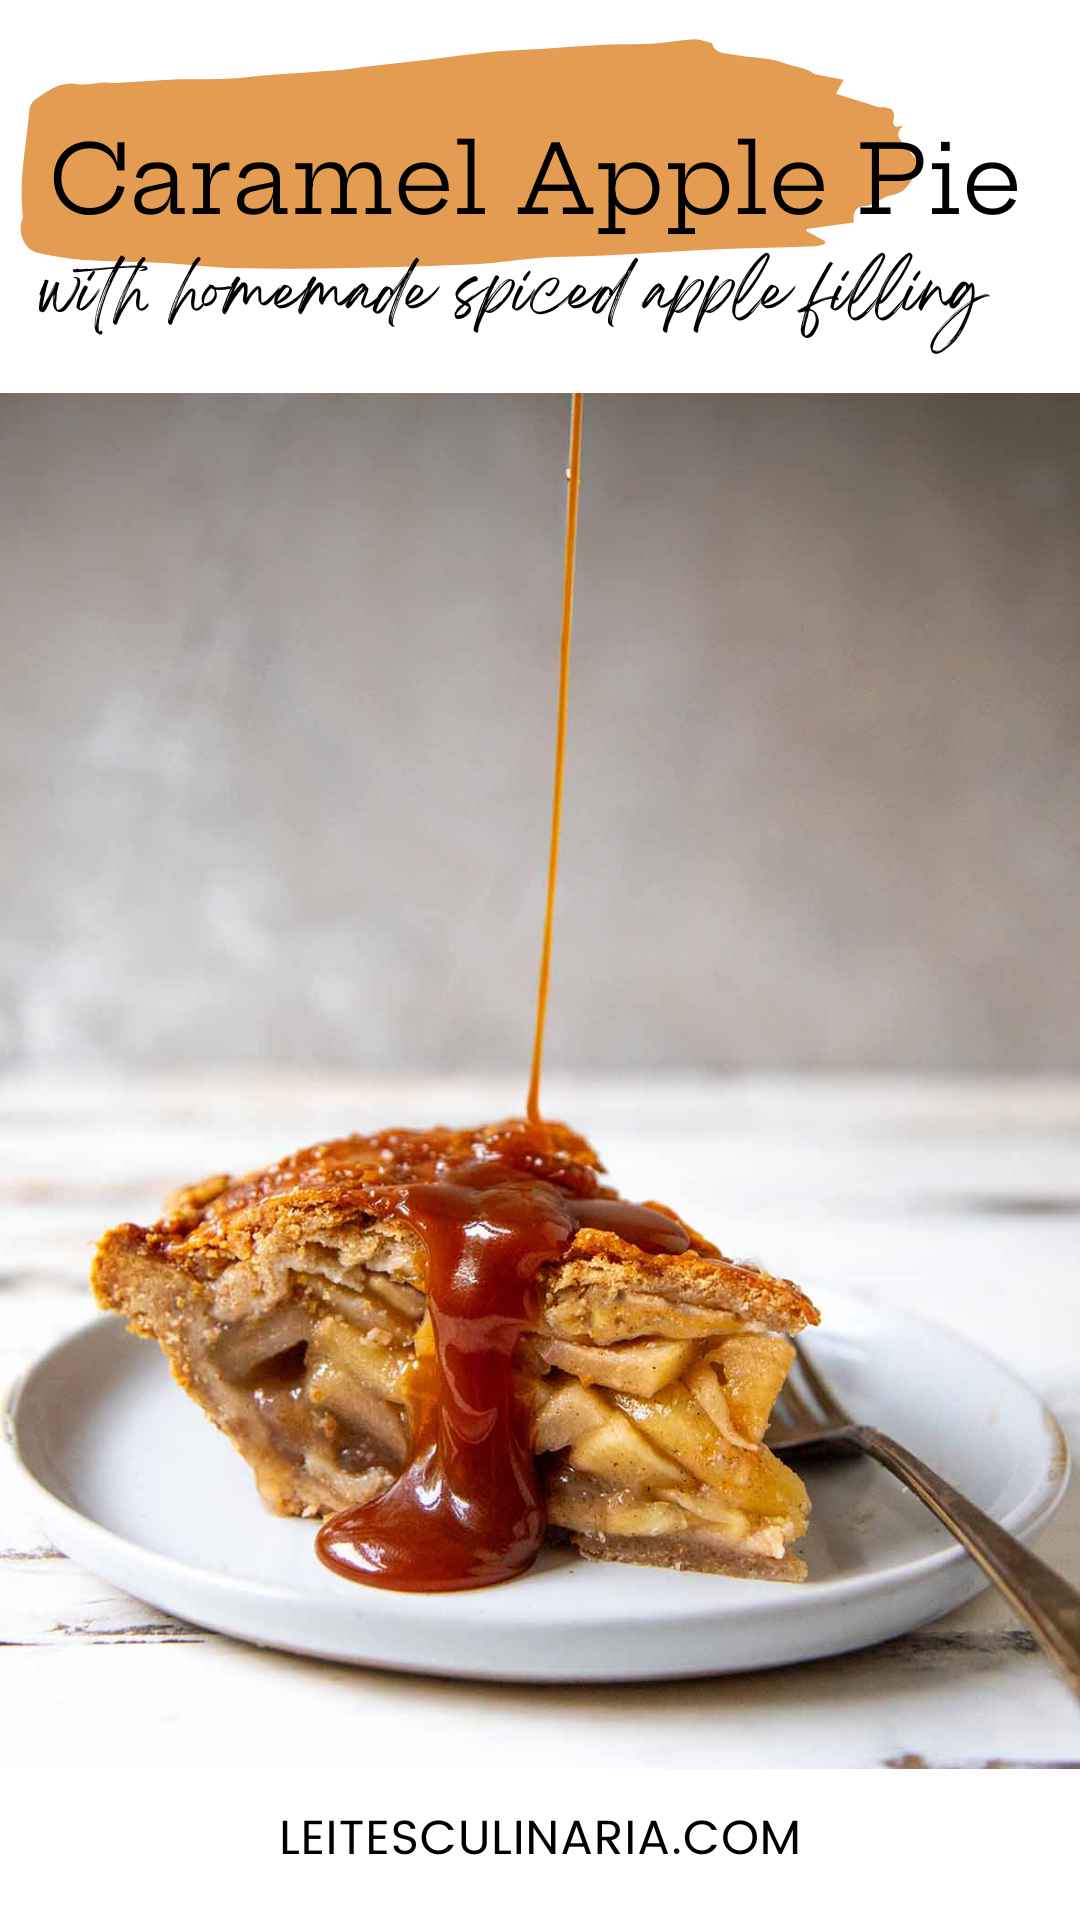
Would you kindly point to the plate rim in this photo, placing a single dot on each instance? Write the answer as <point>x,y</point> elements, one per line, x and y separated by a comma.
<point>1025,1518</point>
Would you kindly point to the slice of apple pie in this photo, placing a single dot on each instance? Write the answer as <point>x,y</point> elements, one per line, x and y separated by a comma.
<point>331,1311</point>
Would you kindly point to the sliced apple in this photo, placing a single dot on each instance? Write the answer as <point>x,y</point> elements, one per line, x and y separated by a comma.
<point>640,1367</point>
<point>773,1490</point>
<point>336,1348</point>
<point>755,1366</point>
<point>568,1411</point>
<point>578,1505</point>
<point>706,1504</point>
<point>674,1421</point>
<point>360,1307</point>
<point>406,1300</point>
<point>702,1382</point>
<point>618,1454</point>
<point>251,1343</point>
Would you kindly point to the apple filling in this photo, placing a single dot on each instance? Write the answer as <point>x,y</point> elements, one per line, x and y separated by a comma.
<point>645,1436</point>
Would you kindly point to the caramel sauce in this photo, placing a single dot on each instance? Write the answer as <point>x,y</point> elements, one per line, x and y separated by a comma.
<point>573,490</point>
<point>468,1510</point>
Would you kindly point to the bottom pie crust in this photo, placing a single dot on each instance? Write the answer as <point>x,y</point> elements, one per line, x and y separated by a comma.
<point>682,1553</point>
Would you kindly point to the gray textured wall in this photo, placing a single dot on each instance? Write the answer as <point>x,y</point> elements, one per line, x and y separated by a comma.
<point>277,716</point>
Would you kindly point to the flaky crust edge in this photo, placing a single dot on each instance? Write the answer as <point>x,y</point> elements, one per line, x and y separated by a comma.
<point>280,1227</point>
<point>335,1193</point>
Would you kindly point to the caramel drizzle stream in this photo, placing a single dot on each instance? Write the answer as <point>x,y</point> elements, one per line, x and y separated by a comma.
<point>573,488</point>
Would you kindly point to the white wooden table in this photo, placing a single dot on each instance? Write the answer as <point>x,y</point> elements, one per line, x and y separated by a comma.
<point>960,1199</point>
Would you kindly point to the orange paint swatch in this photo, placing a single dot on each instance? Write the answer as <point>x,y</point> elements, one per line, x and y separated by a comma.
<point>436,159</point>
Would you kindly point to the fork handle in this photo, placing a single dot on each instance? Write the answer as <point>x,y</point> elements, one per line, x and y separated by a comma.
<point>1049,1605</point>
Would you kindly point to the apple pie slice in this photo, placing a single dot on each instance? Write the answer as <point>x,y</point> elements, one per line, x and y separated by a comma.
<point>299,1307</point>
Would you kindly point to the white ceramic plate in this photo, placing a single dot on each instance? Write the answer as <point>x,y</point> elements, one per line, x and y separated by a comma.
<point>134,1483</point>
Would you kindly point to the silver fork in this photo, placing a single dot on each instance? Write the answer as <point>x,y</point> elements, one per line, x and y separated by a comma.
<point>808,1419</point>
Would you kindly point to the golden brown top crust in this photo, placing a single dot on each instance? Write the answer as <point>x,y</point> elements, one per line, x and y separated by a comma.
<point>403,1155</point>
<point>342,1186</point>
